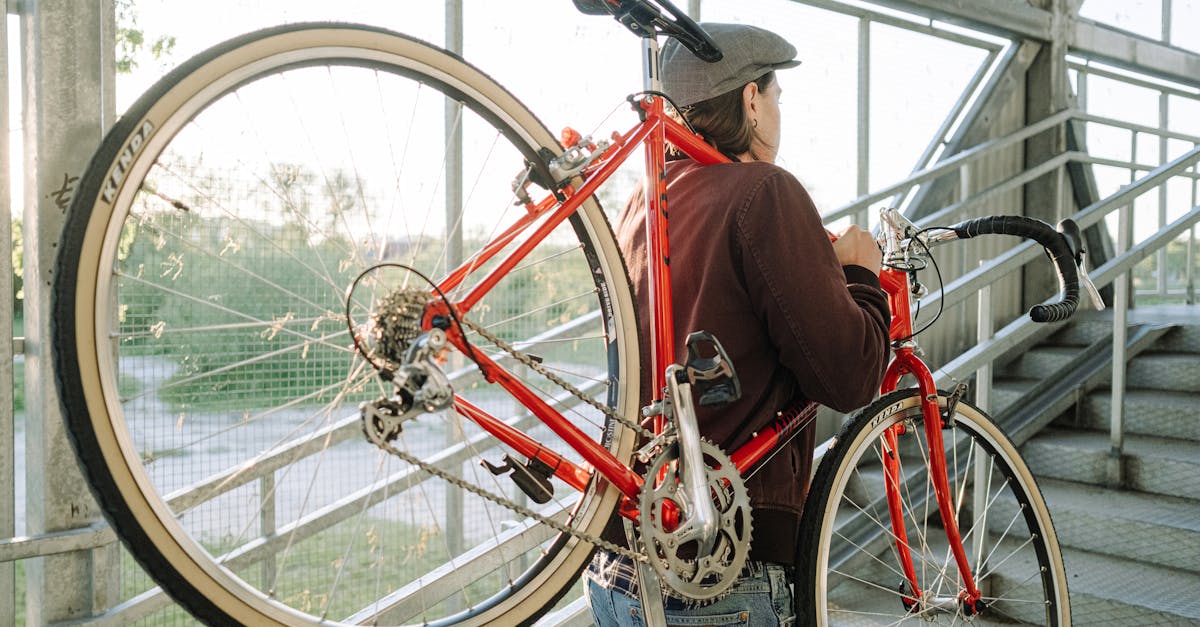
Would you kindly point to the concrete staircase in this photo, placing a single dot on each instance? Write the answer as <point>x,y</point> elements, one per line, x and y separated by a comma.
<point>1132,548</point>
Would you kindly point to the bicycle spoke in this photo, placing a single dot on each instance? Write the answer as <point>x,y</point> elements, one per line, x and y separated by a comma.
<point>859,577</point>
<point>240,270</point>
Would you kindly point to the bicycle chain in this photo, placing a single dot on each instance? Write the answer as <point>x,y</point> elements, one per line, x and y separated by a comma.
<point>537,367</point>
<point>503,502</point>
<point>515,507</point>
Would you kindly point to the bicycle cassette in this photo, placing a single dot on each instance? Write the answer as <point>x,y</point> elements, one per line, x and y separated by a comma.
<point>662,508</point>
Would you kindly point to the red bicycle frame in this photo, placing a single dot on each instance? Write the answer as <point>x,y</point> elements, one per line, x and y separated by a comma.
<point>653,131</point>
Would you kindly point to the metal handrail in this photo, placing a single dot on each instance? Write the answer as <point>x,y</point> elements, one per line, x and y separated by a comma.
<point>988,148</point>
<point>965,286</point>
<point>1024,330</point>
<point>950,164</point>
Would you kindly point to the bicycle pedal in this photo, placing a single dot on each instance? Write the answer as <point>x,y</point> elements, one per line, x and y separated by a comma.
<point>533,477</point>
<point>713,375</point>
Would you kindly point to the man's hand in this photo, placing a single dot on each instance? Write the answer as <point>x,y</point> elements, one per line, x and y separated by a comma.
<point>856,247</point>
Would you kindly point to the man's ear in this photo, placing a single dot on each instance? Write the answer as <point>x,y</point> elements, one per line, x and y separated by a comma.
<point>749,92</point>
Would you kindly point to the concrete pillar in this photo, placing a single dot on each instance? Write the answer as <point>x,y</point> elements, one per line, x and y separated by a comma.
<point>67,72</point>
<point>1046,92</point>
<point>8,512</point>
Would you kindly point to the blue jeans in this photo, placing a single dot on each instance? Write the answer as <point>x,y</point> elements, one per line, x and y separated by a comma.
<point>761,597</point>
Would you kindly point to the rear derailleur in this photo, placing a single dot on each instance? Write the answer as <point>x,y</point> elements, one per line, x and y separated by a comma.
<point>409,364</point>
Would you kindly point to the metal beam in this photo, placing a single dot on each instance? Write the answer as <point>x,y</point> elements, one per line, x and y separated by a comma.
<point>1134,52</point>
<point>999,17</point>
<point>1017,19</point>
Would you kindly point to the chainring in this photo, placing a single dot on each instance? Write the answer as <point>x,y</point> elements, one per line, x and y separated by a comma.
<point>683,573</point>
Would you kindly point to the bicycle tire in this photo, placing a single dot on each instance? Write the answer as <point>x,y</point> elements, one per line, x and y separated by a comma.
<point>207,376</point>
<point>849,569</point>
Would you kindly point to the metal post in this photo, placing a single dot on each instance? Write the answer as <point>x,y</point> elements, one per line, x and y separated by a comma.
<point>1081,91</point>
<point>984,329</point>
<point>964,192</point>
<point>1190,260</point>
<point>1115,467</point>
<point>67,70</point>
<point>864,107</point>
<point>983,400</point>
<point>1060,208</point>
<point>1133,157</point>
<point>1163,123</point>
<point>1161,257</point>
<point>454,256</point>
<point>1166,20</point>
<point>454,144</point>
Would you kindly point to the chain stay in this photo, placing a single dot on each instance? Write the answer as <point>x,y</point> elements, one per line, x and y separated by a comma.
<point>522,510</point>
<point>503,502</point>
<point>537,367</point>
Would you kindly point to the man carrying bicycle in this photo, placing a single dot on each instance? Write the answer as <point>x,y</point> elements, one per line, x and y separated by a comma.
<point>801,318</point>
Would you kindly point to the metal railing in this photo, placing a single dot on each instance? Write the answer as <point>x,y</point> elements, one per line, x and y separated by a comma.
<point>960,290</point>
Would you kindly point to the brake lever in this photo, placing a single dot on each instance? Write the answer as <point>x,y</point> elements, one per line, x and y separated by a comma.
<point>1074,237</point>
<point>1089,288</point>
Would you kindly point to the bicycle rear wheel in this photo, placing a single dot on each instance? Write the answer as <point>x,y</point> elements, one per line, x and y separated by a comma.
<point>850,572</point>
<point>209,381</point>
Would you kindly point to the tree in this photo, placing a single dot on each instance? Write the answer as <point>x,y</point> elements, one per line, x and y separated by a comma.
<point>18,264</point>
<point>131,39</point>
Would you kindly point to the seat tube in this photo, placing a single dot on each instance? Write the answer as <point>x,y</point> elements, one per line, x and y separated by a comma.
<point>661,328</point>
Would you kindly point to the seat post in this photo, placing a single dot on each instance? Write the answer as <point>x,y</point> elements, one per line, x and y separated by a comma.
<point>651,81</point>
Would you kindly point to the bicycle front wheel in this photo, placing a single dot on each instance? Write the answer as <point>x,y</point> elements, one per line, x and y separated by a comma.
<point>210,383</point>
<point>850,563</point>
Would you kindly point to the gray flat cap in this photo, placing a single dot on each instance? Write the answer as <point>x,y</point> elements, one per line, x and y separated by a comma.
<point>749,51</point>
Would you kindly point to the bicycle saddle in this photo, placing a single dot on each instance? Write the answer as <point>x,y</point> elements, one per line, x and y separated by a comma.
<point>651,18</point>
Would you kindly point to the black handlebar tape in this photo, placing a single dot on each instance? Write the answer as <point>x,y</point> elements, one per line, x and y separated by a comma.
<point>1056,245</point>
<point>689,33</point>
<point>651,18</point>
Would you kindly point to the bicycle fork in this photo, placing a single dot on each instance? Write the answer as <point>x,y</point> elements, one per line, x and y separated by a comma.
<point>970,598</point>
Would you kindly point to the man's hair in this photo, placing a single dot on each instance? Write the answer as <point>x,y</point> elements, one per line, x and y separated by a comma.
<point>722,121</point>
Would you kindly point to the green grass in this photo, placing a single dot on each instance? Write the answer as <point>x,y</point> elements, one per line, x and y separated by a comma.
<point>18,386</point>
<point>308,571</point>
<point>311,566</point>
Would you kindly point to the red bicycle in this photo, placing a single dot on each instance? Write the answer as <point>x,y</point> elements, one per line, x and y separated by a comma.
<point>314,232</point>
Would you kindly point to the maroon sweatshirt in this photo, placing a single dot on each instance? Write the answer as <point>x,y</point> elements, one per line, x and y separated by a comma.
<point>751,263</point>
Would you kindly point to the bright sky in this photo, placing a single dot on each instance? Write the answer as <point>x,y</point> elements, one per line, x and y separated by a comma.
<point>578,71</point>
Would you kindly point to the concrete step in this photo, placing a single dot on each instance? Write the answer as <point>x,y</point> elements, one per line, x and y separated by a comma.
<point>1039,362</point>
<point>1154,529</point>
<point>1160,413</point>
<point>1165,371</point>
<point>1152,464</point>
<point>1115,591</point>
<point>1153,370</point>
<point>1008,390</point>
<point>1090,326</point>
